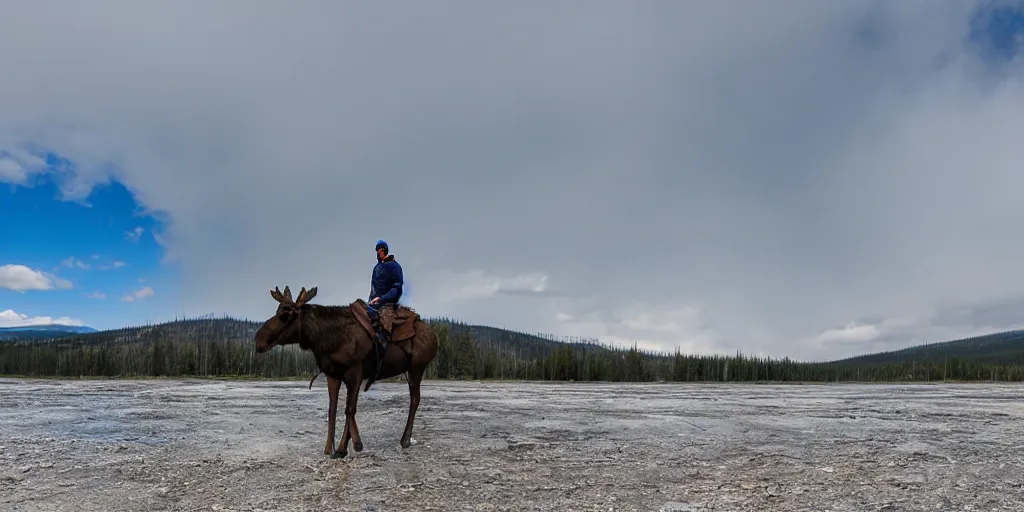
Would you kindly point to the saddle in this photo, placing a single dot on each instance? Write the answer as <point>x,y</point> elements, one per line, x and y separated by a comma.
<point>397,320</point>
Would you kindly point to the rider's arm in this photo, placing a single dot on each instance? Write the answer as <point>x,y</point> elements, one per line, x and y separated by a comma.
<point>396,287</point>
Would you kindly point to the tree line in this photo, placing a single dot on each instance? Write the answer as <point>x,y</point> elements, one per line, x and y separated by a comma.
<point>223,347</point>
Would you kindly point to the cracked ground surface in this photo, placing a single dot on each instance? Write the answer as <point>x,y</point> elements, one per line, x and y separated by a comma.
<point>101,445</point>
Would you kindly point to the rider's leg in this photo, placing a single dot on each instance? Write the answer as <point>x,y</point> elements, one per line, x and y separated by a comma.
<point>372,311</point>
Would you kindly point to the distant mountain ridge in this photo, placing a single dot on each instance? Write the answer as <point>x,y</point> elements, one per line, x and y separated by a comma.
<point>1000,348</point>
<point>209,346</point>
<point>1005,347</point>
<point>43,331</point>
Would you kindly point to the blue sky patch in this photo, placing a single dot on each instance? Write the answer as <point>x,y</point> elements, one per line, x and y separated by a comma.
<point>102,263</point>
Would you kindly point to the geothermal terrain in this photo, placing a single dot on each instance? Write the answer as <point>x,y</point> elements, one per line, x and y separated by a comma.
<point>101,445</point>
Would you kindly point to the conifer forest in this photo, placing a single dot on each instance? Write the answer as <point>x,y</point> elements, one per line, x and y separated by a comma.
<point>223,347</point>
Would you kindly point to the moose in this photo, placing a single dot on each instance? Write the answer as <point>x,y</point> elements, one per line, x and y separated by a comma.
<point>343,344</point>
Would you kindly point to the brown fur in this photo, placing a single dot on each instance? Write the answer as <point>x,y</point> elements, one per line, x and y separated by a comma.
<point>343,350</point>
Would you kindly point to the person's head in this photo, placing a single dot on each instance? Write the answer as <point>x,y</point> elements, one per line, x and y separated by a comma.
<point>381,248</point>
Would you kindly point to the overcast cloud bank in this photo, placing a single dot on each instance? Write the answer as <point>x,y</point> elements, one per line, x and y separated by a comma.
<point>816,180</point>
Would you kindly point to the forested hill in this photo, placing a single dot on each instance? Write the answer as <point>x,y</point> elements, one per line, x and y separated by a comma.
<point>211,347</point>
<point>998,348</point>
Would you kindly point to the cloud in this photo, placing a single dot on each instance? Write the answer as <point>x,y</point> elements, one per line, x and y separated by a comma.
<point>950,320</point>
<point>97,295</point>
<point>16,166</point>
<point>475,284</point>
<point>9,318</point>
<point>134,234</point>
<point>20,278</point>
<point>656,327</point>
<point>853,332</point>
<point>681,176</point>
<point>72,262</point>
<point>142,293</point>
<point>116,264</point>
<point>11,171</point>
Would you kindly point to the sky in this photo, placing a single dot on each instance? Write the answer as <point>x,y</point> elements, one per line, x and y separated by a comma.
<point>88,262</point>
<point>814,181</point>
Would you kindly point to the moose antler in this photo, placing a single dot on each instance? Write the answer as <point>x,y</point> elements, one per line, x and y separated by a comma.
<point>276,294</point>
<point>305,296</point>
<point>288,294</point>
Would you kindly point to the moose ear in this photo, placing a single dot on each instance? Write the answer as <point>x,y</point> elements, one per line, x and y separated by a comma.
<point>276,294</point>
<point>288,294</point>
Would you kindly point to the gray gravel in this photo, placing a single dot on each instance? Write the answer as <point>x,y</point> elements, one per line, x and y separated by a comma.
<point>213,445</point>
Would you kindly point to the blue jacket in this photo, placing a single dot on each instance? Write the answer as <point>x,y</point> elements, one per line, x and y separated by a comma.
<point>386,281</point>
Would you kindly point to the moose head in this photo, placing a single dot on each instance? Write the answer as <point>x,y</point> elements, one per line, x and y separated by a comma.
<point>283,327</point>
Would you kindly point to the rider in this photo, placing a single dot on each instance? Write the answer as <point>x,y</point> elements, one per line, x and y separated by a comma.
<point>385,287</point>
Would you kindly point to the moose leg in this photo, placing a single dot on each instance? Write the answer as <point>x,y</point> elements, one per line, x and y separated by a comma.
<point>346,433</point>
<point>350,409</point>
<point>415,376</point>
<point>333,386</point>
<point>351,430</point>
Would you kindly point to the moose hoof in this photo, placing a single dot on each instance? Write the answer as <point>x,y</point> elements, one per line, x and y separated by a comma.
<point>339,455</point>
<point>406,443</point>
<point>358,445</point>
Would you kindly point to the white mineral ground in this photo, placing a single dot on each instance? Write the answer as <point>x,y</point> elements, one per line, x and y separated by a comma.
<point>240,445</point>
